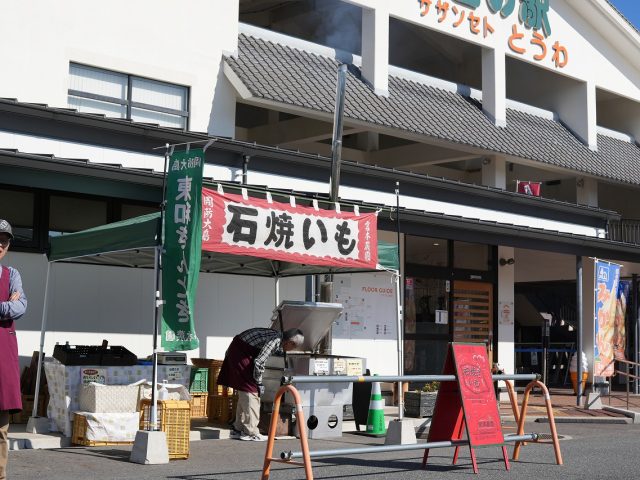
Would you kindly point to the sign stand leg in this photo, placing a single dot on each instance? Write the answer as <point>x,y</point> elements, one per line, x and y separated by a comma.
<point>424,458</point>
<point>458,437</point>
<point>506,458</point>
<point>473,460</point>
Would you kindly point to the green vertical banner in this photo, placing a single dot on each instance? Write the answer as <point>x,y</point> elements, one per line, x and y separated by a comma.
<point>181,254</point>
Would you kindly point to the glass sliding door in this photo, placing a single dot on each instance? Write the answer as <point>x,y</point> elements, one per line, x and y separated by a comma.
<point>426,325</point>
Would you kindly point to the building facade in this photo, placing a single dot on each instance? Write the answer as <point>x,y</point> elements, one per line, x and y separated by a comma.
<point>460,102</point>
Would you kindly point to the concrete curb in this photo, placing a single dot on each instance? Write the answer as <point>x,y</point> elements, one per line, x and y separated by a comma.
<point>634,416</point>
<point>601,420</point>
<point>34,441</point>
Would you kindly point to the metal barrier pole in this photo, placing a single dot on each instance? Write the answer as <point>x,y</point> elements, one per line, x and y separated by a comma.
<point>627,390</point>
<point>629,377</point>
<point>552,422</point>
<point>611,385</point>
<point>514,402</point>
<point>302,430</point>
<point>298,379</point>
<point>287,456</point>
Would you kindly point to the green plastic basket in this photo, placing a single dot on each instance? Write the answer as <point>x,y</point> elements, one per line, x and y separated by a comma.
<point>199,380</point>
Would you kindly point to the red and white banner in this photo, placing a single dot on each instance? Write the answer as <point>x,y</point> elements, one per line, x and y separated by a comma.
<point>528,188</point>
<point>280,231</point>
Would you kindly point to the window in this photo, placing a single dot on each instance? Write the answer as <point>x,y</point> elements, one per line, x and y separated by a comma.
<point>18,210</point>
<point>471,256</point>
<point>71,214</point>
<point>130,210</point>
<point>93,90</point>
<point>427,251</point>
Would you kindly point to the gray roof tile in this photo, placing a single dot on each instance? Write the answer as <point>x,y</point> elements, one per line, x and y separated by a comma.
<point>303,79</point>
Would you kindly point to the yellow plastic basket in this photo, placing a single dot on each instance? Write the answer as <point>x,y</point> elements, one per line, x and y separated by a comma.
<point>174,417</point>
<point>79,434</point>
<point>199,405</point>
<point>222,408</point>
<point>214,388</point>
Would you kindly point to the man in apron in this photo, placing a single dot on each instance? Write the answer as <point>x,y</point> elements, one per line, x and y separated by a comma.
<point>242,370</point>
<point>13,304</point>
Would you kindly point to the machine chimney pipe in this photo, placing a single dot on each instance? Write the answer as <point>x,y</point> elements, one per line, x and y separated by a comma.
<point>336,145</point>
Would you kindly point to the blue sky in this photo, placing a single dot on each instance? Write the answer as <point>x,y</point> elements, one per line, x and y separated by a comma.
<point>630,9</point>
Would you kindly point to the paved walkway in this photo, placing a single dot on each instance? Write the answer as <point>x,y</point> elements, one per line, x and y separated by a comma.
<point>564,406</point>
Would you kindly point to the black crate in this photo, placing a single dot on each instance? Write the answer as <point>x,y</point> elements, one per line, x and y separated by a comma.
<point>78,354</point>
<point>117,357</point>
<point>94,355</point>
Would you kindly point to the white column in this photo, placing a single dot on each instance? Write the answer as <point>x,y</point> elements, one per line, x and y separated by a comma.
<point>588,324</point>
<point>222,115</point>
<point>494,172</point>
<point>576,105</point>
<point>587,191</point>
<point>506,313</point>
<point>375,47</point>
<point>494,86</point>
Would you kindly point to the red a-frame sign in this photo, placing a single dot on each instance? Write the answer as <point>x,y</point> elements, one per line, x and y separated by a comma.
<point>469,402</point>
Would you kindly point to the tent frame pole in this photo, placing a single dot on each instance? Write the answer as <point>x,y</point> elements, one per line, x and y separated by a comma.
<point>43,330</point>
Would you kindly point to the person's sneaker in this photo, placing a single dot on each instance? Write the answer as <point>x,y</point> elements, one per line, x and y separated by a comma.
<point>235,433</point>
<point>253,438</point>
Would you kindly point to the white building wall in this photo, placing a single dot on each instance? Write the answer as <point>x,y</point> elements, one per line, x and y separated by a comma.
<point>176,42</point>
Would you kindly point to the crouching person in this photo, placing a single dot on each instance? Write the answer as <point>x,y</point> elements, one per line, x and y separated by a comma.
<point>242,370</point>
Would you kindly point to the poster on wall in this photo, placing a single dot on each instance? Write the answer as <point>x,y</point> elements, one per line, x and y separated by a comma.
<point>607,279</point>
<point>505,313</point>
<point>619,329</point>
<point>370,308</point>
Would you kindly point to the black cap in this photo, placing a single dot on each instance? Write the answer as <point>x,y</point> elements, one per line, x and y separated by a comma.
<point>5,227</point>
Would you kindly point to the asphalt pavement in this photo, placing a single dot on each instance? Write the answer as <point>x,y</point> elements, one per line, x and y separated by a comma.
<point>589,452</point>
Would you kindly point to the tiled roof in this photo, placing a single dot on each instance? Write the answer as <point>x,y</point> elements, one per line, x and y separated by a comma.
<point>287,75</point>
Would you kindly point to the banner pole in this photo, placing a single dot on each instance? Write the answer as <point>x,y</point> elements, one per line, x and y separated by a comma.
<point>579,271</point>
<point>157,281</point>
<point>636,331</point>
<point>156,314</point>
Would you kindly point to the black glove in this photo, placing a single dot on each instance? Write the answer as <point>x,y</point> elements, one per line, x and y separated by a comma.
<point>260,390</point>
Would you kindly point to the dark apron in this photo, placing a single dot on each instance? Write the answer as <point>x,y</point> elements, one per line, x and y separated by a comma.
<point>237,368</point>
<point>10,397</point>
